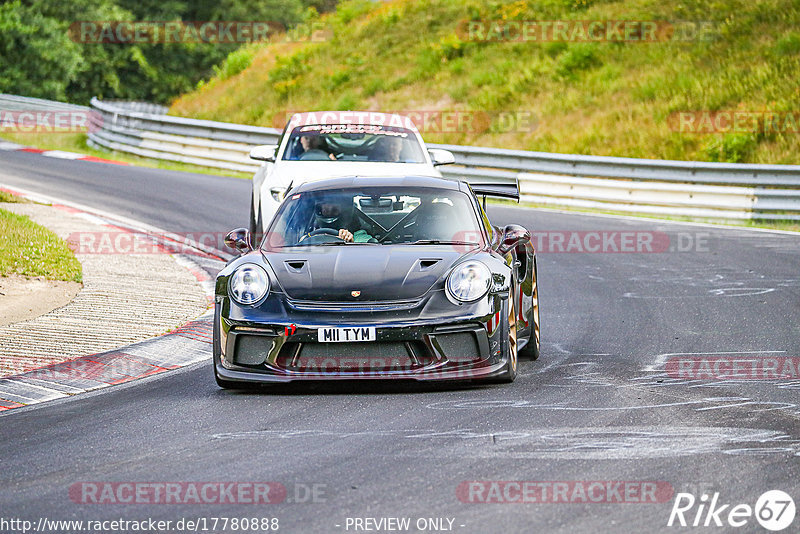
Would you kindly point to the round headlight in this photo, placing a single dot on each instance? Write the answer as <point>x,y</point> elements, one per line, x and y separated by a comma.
<point>469,281</point>
<point>248,284</point>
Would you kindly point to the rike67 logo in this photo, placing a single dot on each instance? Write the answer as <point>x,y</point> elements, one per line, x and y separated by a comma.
<point>774,510</point>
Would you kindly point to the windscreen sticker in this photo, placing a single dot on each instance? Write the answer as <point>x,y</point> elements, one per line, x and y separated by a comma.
<point>372,129</point>
<point>364,118</point>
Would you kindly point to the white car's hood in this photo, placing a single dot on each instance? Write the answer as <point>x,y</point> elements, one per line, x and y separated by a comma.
<point>298,172</point>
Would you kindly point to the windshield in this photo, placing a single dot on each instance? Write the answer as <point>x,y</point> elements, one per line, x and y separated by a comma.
<point>377,216</point>
<point>353,142</point>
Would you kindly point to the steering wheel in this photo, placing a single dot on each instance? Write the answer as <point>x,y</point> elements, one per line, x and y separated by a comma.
<point>325,231</point>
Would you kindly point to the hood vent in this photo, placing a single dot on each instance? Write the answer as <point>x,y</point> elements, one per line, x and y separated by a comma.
<point>380,273</point>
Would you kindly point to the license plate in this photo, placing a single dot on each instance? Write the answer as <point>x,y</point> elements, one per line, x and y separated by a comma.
<point>346,334</point>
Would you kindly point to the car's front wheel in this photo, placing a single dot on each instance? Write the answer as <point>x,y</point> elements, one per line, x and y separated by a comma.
<point>510,349</point>
<point>531,349</point>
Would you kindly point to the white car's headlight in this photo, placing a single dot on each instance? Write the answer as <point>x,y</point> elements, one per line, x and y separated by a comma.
<point>469,281</point>
<point>248,284</point>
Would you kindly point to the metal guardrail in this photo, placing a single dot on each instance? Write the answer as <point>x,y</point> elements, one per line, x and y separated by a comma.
<point>143,107</point>
<point>212,144</point>
<point>26,103</point>
<point>660,187</point>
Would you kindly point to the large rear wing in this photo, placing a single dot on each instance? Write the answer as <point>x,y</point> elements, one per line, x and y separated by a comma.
<point>506,190</point>
<point>503,185</point>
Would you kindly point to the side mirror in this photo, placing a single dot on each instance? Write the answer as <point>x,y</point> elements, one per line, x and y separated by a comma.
<point>513,235</point>
<point>264,152</point>
<point>441,157</point>
<point>239,239</point>
<point>278,193</point>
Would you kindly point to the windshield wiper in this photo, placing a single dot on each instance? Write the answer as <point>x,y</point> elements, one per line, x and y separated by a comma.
<point>339,243</point>
<point>439,242</point>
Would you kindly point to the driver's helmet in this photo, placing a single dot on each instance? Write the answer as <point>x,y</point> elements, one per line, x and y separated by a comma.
<point>331,214</point>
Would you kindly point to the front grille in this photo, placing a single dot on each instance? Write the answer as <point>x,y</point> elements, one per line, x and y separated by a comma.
<point>367,306</point>
<point>354,357</point>
<point>374,356</point>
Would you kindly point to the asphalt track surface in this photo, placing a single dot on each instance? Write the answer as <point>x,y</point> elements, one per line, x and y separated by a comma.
<point>597,405</point>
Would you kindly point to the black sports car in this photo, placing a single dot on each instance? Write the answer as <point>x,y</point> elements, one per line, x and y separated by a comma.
<point>364,278</point>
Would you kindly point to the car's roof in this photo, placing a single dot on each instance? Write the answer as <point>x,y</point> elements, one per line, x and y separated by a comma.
<point>351,117</point>
<point>380,181</point>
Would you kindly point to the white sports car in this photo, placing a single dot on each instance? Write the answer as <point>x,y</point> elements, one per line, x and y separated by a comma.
<point>328,144</point>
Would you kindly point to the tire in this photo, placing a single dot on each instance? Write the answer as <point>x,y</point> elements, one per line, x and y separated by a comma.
<point>510,346</point>
<point>531,349</point>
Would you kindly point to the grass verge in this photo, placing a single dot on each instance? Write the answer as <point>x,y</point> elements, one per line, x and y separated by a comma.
<point>31,250</point>
<point>5,196</point>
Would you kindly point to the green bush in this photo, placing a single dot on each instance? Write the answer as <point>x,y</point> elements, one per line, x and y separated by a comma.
<point>373,86</point>
<point>788,45</point>
<point>348,101</point>
<point>337,79</point>
<point>236,62</point>
<point>350,10</point>
<point>578,57</point>
<point>731,148</point>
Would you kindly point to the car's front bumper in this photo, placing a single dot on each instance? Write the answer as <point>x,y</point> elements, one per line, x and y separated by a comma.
<point>462,347</point>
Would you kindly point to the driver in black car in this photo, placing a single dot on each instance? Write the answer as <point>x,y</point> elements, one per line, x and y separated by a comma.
<point>339,219</point>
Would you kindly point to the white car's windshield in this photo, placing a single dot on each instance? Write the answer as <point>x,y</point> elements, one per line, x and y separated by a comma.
<point>375,215</point>
<point>353,142</point>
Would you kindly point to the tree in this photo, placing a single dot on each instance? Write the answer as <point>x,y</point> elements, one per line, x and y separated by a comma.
<point>38,58</point>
